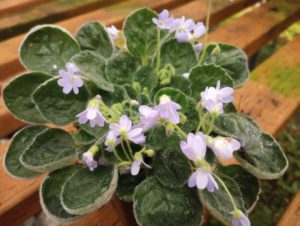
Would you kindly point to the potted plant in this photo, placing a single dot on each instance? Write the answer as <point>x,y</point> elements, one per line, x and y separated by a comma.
<point>153,114</point>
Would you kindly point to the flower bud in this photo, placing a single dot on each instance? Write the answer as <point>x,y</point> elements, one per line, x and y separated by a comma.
<point>149,152</point>
<point>183,118</point>
<point>137,87</point>
<point>216,50</point>
<point>134,103</point>
<point>93,149</point>
<point>170,129</point>
<point>165,81</point>
<point>145,91</point>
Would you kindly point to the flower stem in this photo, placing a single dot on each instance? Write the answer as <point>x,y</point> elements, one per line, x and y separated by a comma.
<point>180,131</point>
<point>158,52</point>
<point>129,147</point>
<point>206,33</point>
<point>201,122</point>
<point>125,151</point>
<point>226,189</point>
<point>211,126</point>
<point>117,155</point>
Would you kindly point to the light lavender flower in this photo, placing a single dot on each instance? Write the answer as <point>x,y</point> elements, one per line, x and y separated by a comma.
<point>125,128</point>
<point>136,165</point>
<point>195,147</point>
<point>70,79</point>
<point>203,179</point>
<point>198,31</point>
<point>240,219</point>
<point>164,21</point>
<point>223,147</point>
<point>149,117</point>
<point>182,28</point>
<point>111,141</point>
<point>198,47</point>
<point>88,158</point>
<point>113,32</point>
<point>92,114</point>
<point>167,109</point>
<point>212,98</point>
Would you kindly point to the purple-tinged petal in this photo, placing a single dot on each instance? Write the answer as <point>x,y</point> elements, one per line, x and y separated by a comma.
<point>135,167</point>
<point>192,180</point>
<point>202,179</point>
<point>235,221</point>
<point>125,122</point>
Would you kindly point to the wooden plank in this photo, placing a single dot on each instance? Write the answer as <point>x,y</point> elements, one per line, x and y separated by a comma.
<point>254,29</point>
<point>291,216</point>
<point>49,12</point>
<point>10,6</point>
<point>110,15</point>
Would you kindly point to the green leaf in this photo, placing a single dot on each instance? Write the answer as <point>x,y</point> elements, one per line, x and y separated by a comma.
<point>52,149</point>
<point>261,155</point>
<point>88,190</point>
<point>47,48</point>
<point>207,76</point>
<point>180,55</point>
<point>232,59</point>
<point>50,192</point>
<point>20,142</point>
<point>127,184</point>
<point>154,139</point>
<point>171,167</point>
<point>93,36</point>
<point>181,83</point>
<point>141,33</point>
<point>146,76</point>
<point>17,96</point>
<point>99,132</point>
<point>218,202</point>
<point>156,205</point>
<point>121,68</point>
<point>248,184</point>
<point>92,66</point>
<point>57,107</point>
<point>175,95</point>
<point>82,137</point>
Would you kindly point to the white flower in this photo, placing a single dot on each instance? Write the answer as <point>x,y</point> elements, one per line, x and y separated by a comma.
<point>223,147</point>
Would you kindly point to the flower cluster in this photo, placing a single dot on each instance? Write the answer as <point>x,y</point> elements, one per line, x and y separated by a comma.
<point>127,130</point>
<point>186,30</point>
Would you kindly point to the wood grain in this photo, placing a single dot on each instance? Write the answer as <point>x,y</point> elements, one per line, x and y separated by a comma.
<point>291,216</point>
<point>10,6</point>
<point>15,23</point>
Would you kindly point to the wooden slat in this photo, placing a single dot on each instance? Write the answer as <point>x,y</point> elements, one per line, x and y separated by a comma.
<point>10,6</point>
<point>111,15</point>
<point>292,214</point>
<point>48,12</point>
<point>258,27</point>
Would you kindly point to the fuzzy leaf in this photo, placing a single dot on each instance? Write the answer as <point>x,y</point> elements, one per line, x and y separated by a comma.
<point>248,184</point>
<point>175,95</point>
<point>146,77</point>
<point>126,185</point>
<point>207,76</point>
<point>83,138</point>
<point>88,190</point>
<point>218,202</point>
<point>17,96</point>
<point>52,149</point>
<point>141,33</point>
<point>121,68</point>
<point>258,148</point>
<point>99,132</point>
<point>50,192</point>
<point>20,142</point>
<point>92,66</point>
<point>180,55</point>
<point>57,107</point>
<point>93,36</point>
<point>171,167</point>
<point>181,83</point>
<point>47,48</point>
<point>156,205</point>
<point>232,59</point>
